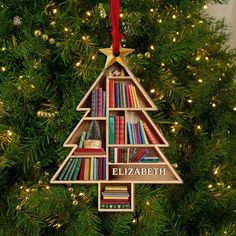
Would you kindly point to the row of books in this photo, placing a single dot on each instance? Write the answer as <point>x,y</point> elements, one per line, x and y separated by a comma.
<point>115,197</point>
<point>116,130</point>
<point>98,103</point>
<point>139,133</point>
<point>127,155</point>
<point>84,169</point>
<point>122,95</point>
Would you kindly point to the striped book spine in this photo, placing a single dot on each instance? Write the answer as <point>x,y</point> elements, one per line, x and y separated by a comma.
<point>117,132</point>
<point>96,102</point>
<point>100,102</point>
<point>104,103</point>
<point>122,130</point>
<point>93,104</point>
<point>149,134</point>
<point>111,155</point>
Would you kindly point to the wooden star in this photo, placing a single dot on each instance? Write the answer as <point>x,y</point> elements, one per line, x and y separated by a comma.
<point>121,59</point>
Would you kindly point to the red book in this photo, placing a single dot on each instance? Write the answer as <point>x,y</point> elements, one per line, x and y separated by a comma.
<point>131,96</point>
<point>111,93</point>
<point>115,201</point>
<point>117,132</point>
<point>135,134</point>
<point>127,96</point>
<point>89,151</point>
<point>122,130</point>
<point>99,168</point>
<point>82,167</point>
<point>150,136</point>
<point>100,102</point>
<point>139,155</point>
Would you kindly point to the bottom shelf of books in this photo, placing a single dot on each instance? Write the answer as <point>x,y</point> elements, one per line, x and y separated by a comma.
<point>113,196</point>
<point>82,169</point>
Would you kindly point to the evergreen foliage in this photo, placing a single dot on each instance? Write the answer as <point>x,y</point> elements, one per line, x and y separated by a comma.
<point>49,59</point>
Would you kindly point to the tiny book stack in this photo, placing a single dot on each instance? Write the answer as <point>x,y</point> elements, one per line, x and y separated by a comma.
<point>122,95</point>
<point>98,103</point>
<point>115,197</point>
<point>116,129</point>
<point>84,169</point>
<point>139,133</point>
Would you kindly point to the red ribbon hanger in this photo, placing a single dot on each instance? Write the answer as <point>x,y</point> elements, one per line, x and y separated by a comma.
<point>115,20</point>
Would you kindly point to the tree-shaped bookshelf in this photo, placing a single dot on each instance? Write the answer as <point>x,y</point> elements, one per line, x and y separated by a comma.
<point>116,144</point>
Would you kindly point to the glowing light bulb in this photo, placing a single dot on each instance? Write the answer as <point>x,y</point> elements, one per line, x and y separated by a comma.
<point>173,130</point>
<point>66,29</point>
<point>234,108</point>
<point>210,186</point>
<point>81,194</point>
<point>207,58</point>
<point>93,57</point>
<point>3,48</point>
<point>160,20</point>
<point>228,186</point>
<point>200,22</point>
<point>54,11</point>
<point>134,221</point>
<point>162,64</point>
<point>173,82</point>
<point>152,91</point>
<point>189,100</point>
<point>152,47</point>
<point>121,15</point>
<point>213,104</point>
<point>215,172</point>
<point>151,10</point>
<point>198,58</point>
<point>9,132</point>
<point>3,69</point>
<point>176,123</point>
<point>174,39</point>
<point>200,80</point>
<point>147,203</point>
<point>88,13</point>
<point>174,16</point>
<point>205,7</point>
<point>199,127</point>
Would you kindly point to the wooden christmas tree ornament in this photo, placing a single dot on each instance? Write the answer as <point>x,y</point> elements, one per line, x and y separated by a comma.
<point>116,144</point>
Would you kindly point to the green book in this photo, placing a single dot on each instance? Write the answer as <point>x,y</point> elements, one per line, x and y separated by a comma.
<point>66,177</point>
<point>81,143</point>
<point>63,172</point>
<point>124,95</point>
<point>143,133</point>
<point>77,168</point>
<point>111,130</point>
<point>72,169</point>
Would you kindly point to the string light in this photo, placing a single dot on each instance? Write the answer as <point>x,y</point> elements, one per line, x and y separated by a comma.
<point>88,13</point>
<point>152,91</point>
<point>18,207</point>
<point>75,202</point>
<point>205,7</point>
<point>215,172</point>
<point>174,16</point>
<point>193,26</point>
<point>213,104</point>
<point>77,64</point>
<point>3,48</point>
<point>121,15</point>
<point>52,23</point>
<point>174,39</point>
<point>234,108</point>
<point>200,80</point>
<point>173,129</point>
<point>200,22</point>
<point>189,100</point>
<point>54,11</point>
<point>9,133</point>
<point>207,58</point>
<point>152,47</point>
<point>47,187</point>
<point>3,69</point>
<point>198,58</point>
<point>189,16</point>
<point>66,29</point>
<point>134,221</point>
<point>162,64</point>
<point>228,186</point>
<point>147,203</point>
<point>198,127</point>
<point>151,10</point>
<point>173,81</point>
<point>160,21</point>
<point>81,194</point>
<point>93,57</point>
<point>210,186</point>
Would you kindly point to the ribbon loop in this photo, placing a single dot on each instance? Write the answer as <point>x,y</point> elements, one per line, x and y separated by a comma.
<point>115,20</point>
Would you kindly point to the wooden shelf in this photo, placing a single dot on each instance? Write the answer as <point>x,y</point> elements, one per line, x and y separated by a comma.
<point>88,155</point>
<point>131,109</point>
<point>95,118</point>
<point>135,163</point>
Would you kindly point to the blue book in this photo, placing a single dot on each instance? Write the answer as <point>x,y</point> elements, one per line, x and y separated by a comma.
<point>104,168</point>
<point>117,95</point>
<point>103,103</point>
<point>95,167</point>
<point>130,133</point>
<point>124,95</point>
<point>96,102</point>
<point>73,169</point>
<point>140,134</point>
<point>66,177</point>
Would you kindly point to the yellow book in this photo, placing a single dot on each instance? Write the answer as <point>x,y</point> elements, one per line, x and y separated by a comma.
<point>87,169</point>
<point>143,132</point>
<point>114,197</point>
<point>91,169</point>
<point>116,187</point>
<point>136,97</point>
<point>128,155</point>
<point>133,96</point>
